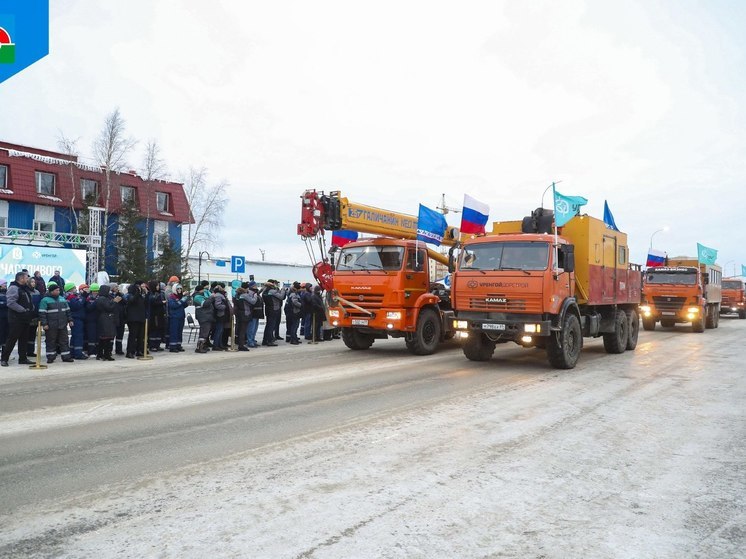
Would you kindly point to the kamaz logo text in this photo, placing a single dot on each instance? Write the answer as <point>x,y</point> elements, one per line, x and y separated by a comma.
<point>496,300</point>
<point>367,287</point>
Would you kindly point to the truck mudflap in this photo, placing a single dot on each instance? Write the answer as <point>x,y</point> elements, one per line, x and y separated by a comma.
<point>509,329</point>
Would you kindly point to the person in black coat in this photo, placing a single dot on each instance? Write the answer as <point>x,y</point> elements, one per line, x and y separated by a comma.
<point>319,314</point>
<point>106,322</point>
<point>137,314</point>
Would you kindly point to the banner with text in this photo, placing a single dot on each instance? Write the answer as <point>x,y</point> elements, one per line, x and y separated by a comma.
<point>70,262</point>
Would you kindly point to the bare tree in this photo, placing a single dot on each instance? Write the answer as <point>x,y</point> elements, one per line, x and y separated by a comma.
<point>110,150</point>
<point>153,169</point>
<point>207,204</point>
<point>69,147</point>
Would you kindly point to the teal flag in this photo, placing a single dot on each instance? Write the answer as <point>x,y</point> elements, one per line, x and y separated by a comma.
<point>706,255</point>
<point>743,270</point>
<point>566,207</point>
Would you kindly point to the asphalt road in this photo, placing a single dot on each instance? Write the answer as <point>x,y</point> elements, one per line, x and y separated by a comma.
<point>92,456</point>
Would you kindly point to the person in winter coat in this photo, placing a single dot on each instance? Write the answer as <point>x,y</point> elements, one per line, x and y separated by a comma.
<point>3,312</point>
<point>41,285</point>
<point>273,297</point>
<point>221,311</point>
<point>204,311</point>
<point>77,312</point>
<point>55,317</point>
<point>20,309</point>
<point>293,309</point>
<point>121,311</point>
<point>56,278</point>
<point>107,318</point>
<point>177,302</point>
<point>34,324</point>
<point>242,308</point>
<point>306,297</point>
<point>319,314</point>
<point>158,312</point>
<point>137,314</point>
<point>257,312</point>
<point>91,320</point>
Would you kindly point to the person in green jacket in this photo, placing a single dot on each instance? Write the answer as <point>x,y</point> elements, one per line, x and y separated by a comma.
<point>54,314</point>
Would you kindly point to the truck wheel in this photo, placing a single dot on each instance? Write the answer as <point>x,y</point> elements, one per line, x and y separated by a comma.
<point>648,324</point>
<point>710,317</point>
<point>741,314</point>
<point>427,336</point>
<point>634,329</point>
<point>478,347</point>
<point>667,323</point>
<point>616,341</point>
<point>356,340</point>
<point>563,347</point>
<point>698,324</point>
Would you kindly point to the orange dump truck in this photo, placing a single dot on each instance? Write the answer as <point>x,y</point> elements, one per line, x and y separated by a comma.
<point>734,298</point>
<point>682,291</point>
<point>525,285</point>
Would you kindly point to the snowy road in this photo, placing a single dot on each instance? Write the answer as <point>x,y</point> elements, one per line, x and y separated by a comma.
<point>316,451</point>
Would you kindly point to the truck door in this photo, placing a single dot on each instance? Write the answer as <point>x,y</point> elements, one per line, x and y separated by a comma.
<point>608,294</point>
<point>416,275</point>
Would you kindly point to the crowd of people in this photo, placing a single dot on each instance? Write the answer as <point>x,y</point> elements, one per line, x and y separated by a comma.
<point>85,321</point>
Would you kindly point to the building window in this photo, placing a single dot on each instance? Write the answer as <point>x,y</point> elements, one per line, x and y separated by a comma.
<point>622,255</point>
<point>163,201</point>
<point>128,194</point>
<point>45,183</point>
<point>160,236</point>
<point>45,226</point>
<point>3,224</point>
<point>89,190</point>
<point>4,177</point>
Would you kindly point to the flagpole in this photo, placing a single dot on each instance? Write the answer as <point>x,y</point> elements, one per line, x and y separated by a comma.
<point>556,238</point>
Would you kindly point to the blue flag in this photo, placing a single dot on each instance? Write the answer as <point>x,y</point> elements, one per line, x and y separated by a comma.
<point>743,270</point>
<point>431,226</point>
<point>608,218</point>
<point>706,255</point>
<point>566,207</point>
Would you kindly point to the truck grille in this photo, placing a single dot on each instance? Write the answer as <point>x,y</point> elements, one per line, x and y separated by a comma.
<point>727,301</point>
<point>523,303</point>
<point>669,304</point>
<point>368,301</point>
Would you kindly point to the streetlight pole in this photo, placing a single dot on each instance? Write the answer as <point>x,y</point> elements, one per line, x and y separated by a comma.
<point>262,251</point>
<point>654,233</point>
<point>199,265</point>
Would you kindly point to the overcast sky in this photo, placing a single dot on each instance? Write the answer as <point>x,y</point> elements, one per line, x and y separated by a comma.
<point>394,103</point>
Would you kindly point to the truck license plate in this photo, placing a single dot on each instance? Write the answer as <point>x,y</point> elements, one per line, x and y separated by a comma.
<point>359,322</point>
<point>668,313</point>
<point>493,326</point>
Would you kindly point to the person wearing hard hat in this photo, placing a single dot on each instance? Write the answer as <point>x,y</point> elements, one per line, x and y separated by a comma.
<point>91,320</point>
<point>172,281</point>
<point>54,315</point>
<point>77,312</point>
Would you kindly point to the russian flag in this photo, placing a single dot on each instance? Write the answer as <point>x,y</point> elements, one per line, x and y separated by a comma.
<point>341,238</point>
<point>474,216</point>
<point>656,258</point>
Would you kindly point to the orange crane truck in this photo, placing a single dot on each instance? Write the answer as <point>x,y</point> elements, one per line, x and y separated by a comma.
<point>734,298</point>
<point>379,287</point>
<point>524,284</point>
<point>682,291</point>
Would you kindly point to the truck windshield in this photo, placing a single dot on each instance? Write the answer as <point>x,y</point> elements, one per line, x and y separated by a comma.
<point>371,258</point>
<point>671,278</point>
<point>505,256</point>
<point>732,284</point>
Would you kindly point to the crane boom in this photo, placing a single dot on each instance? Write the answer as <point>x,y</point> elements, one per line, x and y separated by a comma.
<point>332,212</point>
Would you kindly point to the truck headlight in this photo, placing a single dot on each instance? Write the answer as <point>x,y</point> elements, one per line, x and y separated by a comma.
<point>334,314</point>
<point>692,310</point>
<point>645,308</point>
<point>532,328</point>
<point>393,315</point>
<point>460,324</point>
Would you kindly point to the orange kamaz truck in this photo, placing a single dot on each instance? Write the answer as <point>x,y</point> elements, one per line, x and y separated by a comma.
<point>683,291</point>
<point>378,287</point>
<point>523,284</point>
<point>734,298</point>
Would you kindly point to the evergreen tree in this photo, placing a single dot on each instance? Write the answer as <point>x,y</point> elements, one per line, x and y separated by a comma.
<point>169,262</point>
<point>131,261</point>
